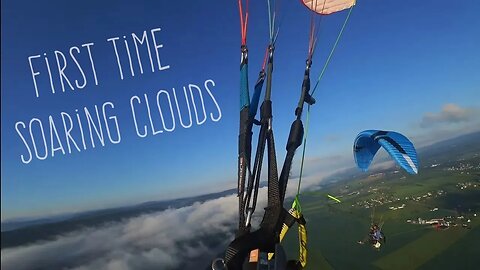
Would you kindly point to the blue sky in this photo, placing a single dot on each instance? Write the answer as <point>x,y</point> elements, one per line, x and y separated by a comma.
<point>409,66</point>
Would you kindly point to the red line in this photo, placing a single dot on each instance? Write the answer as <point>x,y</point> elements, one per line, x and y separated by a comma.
<point>246,23</point>
<point>241,18</point>
<point>243,21</point>
<point>265,59</point>
<point>245,30</point>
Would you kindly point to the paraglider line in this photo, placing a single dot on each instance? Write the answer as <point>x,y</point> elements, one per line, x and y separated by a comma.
<point>243,21</point>
<point>265,59</point>
<point>270,21</point>
<point>332,50</point>
<point>316,84</point>
<point>303,150</point>
<point>272,15</point>
<point>314,30</point>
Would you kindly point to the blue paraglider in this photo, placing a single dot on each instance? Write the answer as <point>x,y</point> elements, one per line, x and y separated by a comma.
<point>399,147</point>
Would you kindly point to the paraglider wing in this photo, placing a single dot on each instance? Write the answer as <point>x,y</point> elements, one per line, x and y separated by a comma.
<point>326,7</point>
<point>364,149</point>
<point>399,147</point>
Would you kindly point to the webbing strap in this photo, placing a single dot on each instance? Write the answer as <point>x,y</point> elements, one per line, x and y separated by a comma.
<point>239,248</point>
<point>256,94</point>
<point>244,138</point>
<point>267,236</point>
<point>293,216</point>
<point>271,219</point>
<point>248,204</point>
<point>296,130</point>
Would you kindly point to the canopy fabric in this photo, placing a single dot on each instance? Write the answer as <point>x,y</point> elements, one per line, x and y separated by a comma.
<point>326,7</point>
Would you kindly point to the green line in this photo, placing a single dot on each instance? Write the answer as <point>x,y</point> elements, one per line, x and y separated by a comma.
<point>332,50</point>
<point>316,84</point>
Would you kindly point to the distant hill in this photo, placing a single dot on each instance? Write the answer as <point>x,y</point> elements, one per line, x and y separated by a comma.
<point>458,147</point>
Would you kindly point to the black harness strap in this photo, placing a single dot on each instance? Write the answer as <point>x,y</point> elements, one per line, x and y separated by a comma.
<point>296,130</point>
<point>267,236</point>
<point>244,140</point>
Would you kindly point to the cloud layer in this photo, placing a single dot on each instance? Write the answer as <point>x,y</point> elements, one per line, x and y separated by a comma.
<point>451,121</point>
<point>173,239</point>
<point>184,238</point>
<point>450,113</point>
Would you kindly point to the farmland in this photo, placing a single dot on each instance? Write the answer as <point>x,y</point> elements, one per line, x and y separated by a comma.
<point>407,206</point>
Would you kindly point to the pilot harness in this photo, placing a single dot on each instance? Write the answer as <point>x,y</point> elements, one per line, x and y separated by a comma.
<point>261,248</point>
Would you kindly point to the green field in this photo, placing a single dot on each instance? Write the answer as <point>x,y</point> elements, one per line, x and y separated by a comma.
<point>335,228</point>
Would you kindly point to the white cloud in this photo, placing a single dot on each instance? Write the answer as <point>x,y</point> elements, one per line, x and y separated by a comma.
<point>451,121</point>
<point>450,113</point>
<point>185,237</point>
